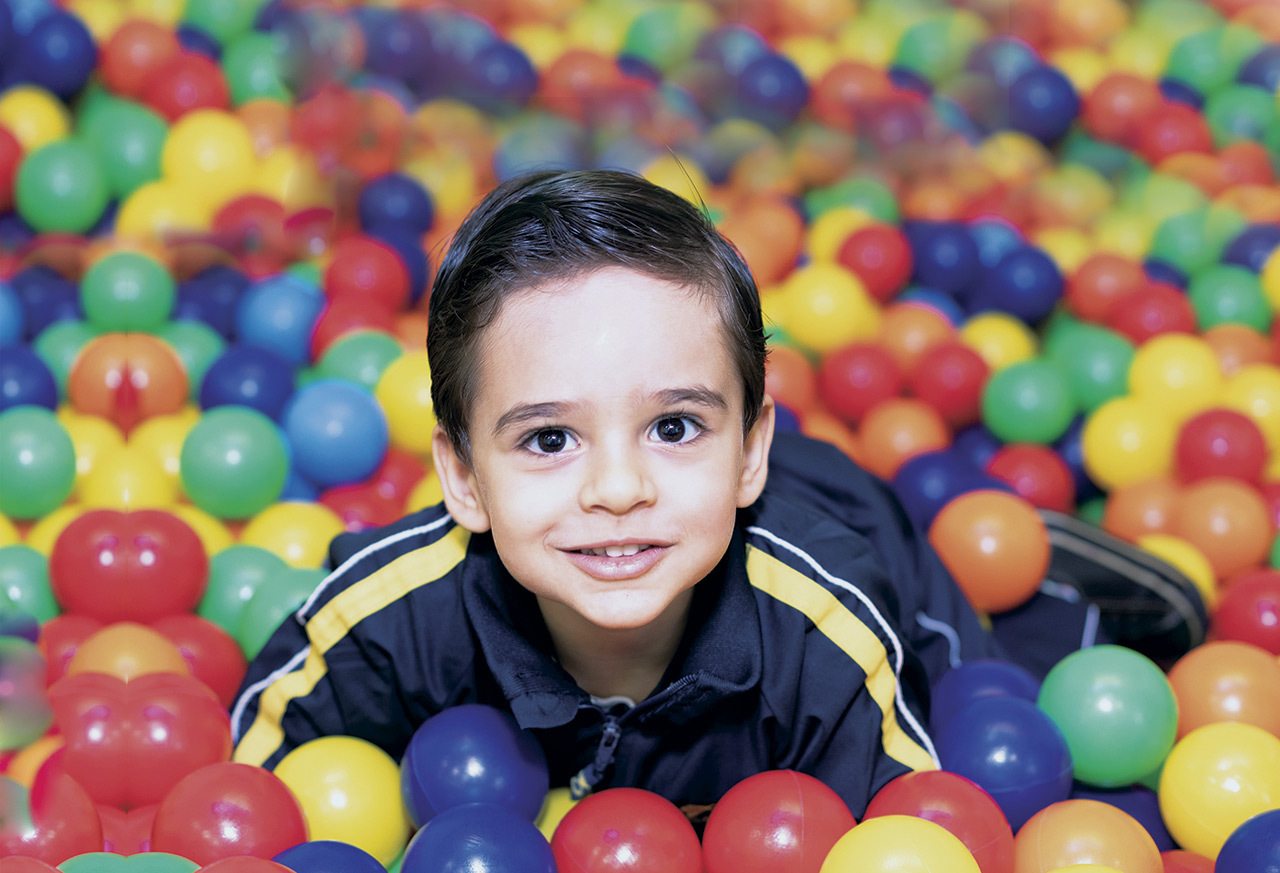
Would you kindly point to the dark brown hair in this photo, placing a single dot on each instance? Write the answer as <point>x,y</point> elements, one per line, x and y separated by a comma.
<point>550,226</point>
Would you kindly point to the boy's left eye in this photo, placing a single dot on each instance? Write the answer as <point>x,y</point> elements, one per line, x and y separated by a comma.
<point>675,429</point>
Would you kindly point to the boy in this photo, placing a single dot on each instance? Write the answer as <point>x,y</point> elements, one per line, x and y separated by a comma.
<point>615,563</point>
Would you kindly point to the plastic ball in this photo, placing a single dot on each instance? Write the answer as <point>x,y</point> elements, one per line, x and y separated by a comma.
<point>1037,474</point>
<point>233,462</point>
<point>1226,681</point>
<point>58,54</point>
<point>127,291</point>
<point>995,545</point>
<point>1206,60</point>
<point>211,296</point>
<point>1227,520</point>
<point>329,856</point>
<point>896,430</point>
<point>127,651</point>
<point>899,843</point>
<point>1255,391</point>
<point>626,826</point>
<point>910,329</point>
<point>404,393</point>
<point>1215,779</point>
<point>1095,361</point>
<point>360,358</point>
<point>1043,103</point>
<point>1028,402</point>
<point>944,256</point>
<point>1253,845</point>
<point>133,53</point>
<point>1220,442</point>
<point>127,378</point>
<point>1085,832</point>
<point>853,379</point>
<point>23,703</point>
<point>999,338</point>
<point>61,187</point>
<point>336,431</point>
<point>1180,373</point>
<point>342,784</point>
<point>1252,247</point>
<point>296,530</point>
<point>272,603</point>
<point>248,376</point>
<point>1151,311</point>
<point>1250,611</point>
<point>279,313</point>
<point>25,379</point>
<point>1187,559</point>
<point>37,462</point>
<point>478,836</point>
<point>395,201</point>
<point>210,149</point>
<point>1193,240</point>
<point>950,376</point>
<point>129,139</point>
<point>880,256</point>
<point>235,573</point>
<point>828,307</point>
<point>24,581</point>
<point>977,679</point>
<point>369,269</point>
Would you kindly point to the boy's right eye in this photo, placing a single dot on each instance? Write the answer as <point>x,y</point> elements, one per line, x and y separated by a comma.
<point>550,441</point>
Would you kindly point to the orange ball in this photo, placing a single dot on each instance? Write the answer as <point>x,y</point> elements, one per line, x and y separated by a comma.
<point>267,122</point>
<point>908,330</point>
<point>896,430</point>
<point>822,426</point>
<point>790,379</point>
<point>769,233</point>
<point>995,545</point>
<point>1237,345</point>
<point>127,378</point>
<point>1227,520</point>
<point>1145,507</point>
<point>126,649</point>
<point>1227,681</point>
<point>1085,832</point>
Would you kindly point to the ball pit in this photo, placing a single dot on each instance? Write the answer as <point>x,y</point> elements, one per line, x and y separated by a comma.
<point>1028,252</point>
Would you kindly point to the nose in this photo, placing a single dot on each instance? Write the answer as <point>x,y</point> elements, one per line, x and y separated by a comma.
<point>618,480</point>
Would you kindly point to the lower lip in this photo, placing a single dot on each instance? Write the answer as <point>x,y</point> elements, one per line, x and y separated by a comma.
<point>610,569</point>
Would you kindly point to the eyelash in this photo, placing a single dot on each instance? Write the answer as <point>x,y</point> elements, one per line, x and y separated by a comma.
<point>528,442</point>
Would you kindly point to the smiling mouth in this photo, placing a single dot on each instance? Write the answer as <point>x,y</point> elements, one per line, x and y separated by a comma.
<point>615,551</point>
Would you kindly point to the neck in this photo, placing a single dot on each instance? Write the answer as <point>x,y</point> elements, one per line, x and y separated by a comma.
<point>607,662</point>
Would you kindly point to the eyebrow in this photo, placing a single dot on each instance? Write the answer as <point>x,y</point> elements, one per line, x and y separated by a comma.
<point>524,413</point>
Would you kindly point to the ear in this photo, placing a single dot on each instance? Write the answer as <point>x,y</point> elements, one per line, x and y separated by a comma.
<point>755,455</point>
<point>458,482</point>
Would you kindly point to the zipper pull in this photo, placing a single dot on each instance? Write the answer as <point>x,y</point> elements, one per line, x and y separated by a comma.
<point>582,784</point>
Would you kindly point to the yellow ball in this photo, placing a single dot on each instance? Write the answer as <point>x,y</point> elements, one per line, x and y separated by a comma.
<point>161,437</point>
<point>1178,372</point>
<point>93,437</point>
<point>681,175</point>
<point>1013,158</point>
<point>827,233</point>
<point>44,533</point>
<point>168,12</point>
<point>899,843</point>
<point>999,339</point>
<point>8,532</point>
<point>129,478</point>
<point>1255,390</point>
<point>101,17</point>
<point>1216,777</point>
<point>1187,558</point>
<point>349,791</point>
<point>212,149</point>
<point>555,807</point>
<point>426,493</point>
<point>296,531</point>
<point>214,535</point>
<point>1084,67</point>
<point>827,307</point>
<point>34,116</point>
<point>451,179</point>
<point>1128,439</point>
<point>404,393</point>
<point>812,54</point>
<point>289,176</point>
<point>1271,275</point>
<point>156,209</point>
<point>1139,52</point>
<point>1124,232</point>
<point>542,43</point>
<point>601,27</point>
<point>1068,246</point>
<point>1086,868</point>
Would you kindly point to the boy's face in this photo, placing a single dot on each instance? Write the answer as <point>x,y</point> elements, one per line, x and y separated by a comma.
<point>608,458</point>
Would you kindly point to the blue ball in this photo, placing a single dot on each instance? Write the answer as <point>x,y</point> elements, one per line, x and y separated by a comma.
<point>928,481</point>
<point>58,54</point>
<point>13,317</point>
<point>1012,749</point>
<point>395,202</point>
<point>976,444</point>
<point>785,419</point>
<point>1177,91</point>
<point>1253,246</point>
<point>1162,271</point>
<point>248,376</point>
<point>296,486</point>
<point>975,680</point>
<point>472,753</point>
<point>14,231</point>
<point>397,43</point>
<point>414,257</point>
<point>907,79</point>
<point>995,238</point>
<point>26,14</point>
<point>328,856</point>
<point>280,313</point>
<point>500,79</point>
<point>457,38</point>
<point>193,39</point>
<point>771,90</point>
<point>47,296</point>
<point>1253,846</point>
<point>478,837</point>
<point>944,256</point>
<point>729,48</point>
<point>1043,104</point>
<point>1263,69</point>
<point>25,379</point>
<point>540,141</point>
<point>1003,59</point>
<point>337,432</point>
<point>1026,283</point>
<point>212,296</point>
<point>7,36</point>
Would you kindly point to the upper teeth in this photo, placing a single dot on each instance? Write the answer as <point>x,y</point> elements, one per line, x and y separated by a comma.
<point>616,551</point>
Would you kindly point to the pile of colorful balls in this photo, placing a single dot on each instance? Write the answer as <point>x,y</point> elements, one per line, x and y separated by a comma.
<point>1015,255</point>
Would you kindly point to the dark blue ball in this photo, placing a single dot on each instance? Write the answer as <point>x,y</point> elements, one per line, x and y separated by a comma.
<point>784,419</point>
<point>397,43</point>
<point>1003,59</point>
<point>500,80</point>
<point>6,34</point>
<point>1253,246</point>
<point>248,376</point>
<point>13,316</point>
<point>1043,104</point>
<point>995,238</point>
<point>328,856</point>
<point>1026,283</point>
<point>976,445</point>
<point>14,231</point>
<point>906,79</point>
<point>395,202</point>
<point>974,680</point>
<point>25,379</point>
<point>1253,846</point>
<point>927,482</point>
<point>771,90</point>
<point>58,54</point>
<point>1177,91</point>
<point>414,257</point>
<point>296,486</point>
<point>1263,69</point>
<point>193,39</point>
<point>212,296</point>
<point>478,837</point>
<point>47,296</point>
<point>944,257</point>
<point>730,48</point>
<point>1163,271</point>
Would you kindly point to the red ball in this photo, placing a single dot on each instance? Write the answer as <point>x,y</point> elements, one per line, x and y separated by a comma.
<point>214,656</point>
<point>1100,283</point>
<point>369,270</point>
<point>228,809</point>
<point>949,377</point>
<point>57,816</point>
<point>398,474</point>
<point>1118,107</point>
<point>1037,473</point>
<point>957,804</point>
<point>776,820</point>
<point>185,82</point>
<point>362,505</point>
<point>853,379</point>
<point>126,833</point>
<point>128,566</point>
<point>10,157</point>
<point>60,639</point>
<point>252,228</point>
<point>1172,129</point>
<point>133,54</point>
<point>1249,611</point>
<point>344,315</point>
<point>1221,442</point>
<point>626,829</point>
<point>1179,861</point>
<point>1270,492</point>
<point>245,864</point>
<point>881,257</point>
<point>1153,310</point>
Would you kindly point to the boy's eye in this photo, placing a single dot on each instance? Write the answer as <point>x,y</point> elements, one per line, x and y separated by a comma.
<point>675,429</point>
<point>550,441</point>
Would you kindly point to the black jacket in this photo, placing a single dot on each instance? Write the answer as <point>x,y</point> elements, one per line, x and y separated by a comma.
<point>810,647</point>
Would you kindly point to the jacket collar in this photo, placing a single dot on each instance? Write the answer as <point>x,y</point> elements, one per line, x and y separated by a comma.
<point>719,656</point>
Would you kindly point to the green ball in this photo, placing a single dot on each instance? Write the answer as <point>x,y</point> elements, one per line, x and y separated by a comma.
<point>1195,240</point>
<point>1094,360</point>
<point>61,187</point>
<point>25,712</point>
<point>931,50</point>
<point>1161,196</point>
<point>1227,294</point>
<point>197,344</point>
<point>1092,511</point>
<point>59,343</point>
<point>142,862</point>
<point>24,581</point>
<point>37,462</point>
<point>1241,113</point>
<point>1028,402</point>
<point>1274,559</point>
<point>127,292</point>
<point>274,600</point>
<point>1115,709</point>
<point>128,138</point>
<point>859,192</point>
<point>235,573</point>
<point>359,357</point>
<point>308,271</point>
<point>1107,159</point>
<point>233,462</point>
<point>252,64</point>
<point>222,20</point>
<point>1210,59</point>
<point>666,35</point>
